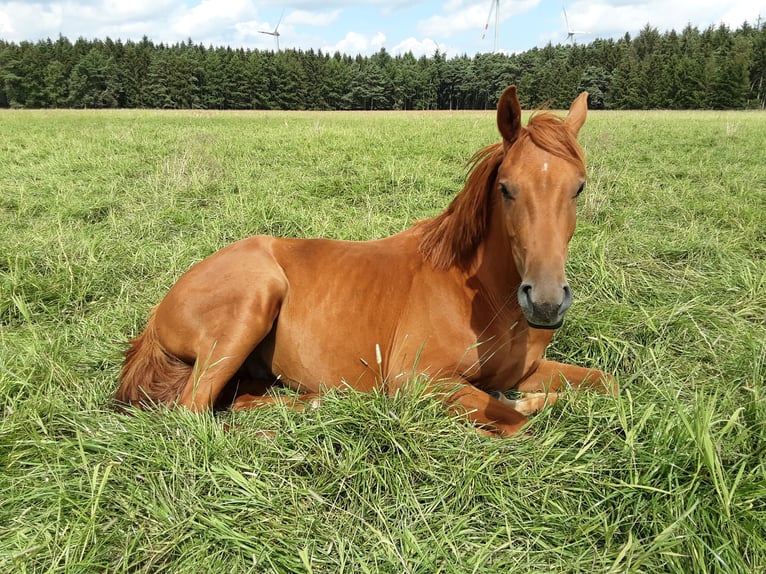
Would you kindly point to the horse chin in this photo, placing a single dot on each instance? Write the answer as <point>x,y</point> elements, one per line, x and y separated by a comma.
<point>551,327</point>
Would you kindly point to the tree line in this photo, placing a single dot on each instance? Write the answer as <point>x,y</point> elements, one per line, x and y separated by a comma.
<point>716,68</point>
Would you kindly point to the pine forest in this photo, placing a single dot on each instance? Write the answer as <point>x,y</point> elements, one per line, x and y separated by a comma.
<point>717,68</point>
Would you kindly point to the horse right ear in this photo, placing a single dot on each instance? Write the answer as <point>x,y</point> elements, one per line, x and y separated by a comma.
<point>509,116</point>
<point>577,112</point>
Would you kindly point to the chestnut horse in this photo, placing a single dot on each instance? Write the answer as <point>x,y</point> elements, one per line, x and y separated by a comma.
<point>468,298</point>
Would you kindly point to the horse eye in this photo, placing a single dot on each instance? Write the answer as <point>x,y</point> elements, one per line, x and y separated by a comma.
<point>579,190</point>
<point>504,191</point>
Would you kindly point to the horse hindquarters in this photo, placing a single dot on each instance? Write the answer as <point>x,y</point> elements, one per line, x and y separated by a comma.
<point>204,329</point>
<point>150,375</point>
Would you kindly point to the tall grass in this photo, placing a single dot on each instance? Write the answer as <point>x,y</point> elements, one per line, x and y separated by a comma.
<point>101,211</point>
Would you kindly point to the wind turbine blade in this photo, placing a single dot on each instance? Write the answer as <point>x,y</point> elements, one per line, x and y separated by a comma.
<point>566,20</point>
<point>280,20</point>
<point>489,17</point>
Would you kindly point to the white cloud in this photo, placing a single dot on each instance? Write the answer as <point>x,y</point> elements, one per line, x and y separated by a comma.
<point>120,11</point>
<point>353,42</point>
<point>458,18</point>
<point>303,17</point>
<point>86,18</point>
<point>312,24</point>
<point>356,43</point>
<point>378,40</point>
<point>462,15</point>
<point>6,28</point>
<point>211,16</point>
<point>614,18</point>
<point>425,47</point>
<point>22,21</point>
<point>251,28</point>
<point>740,12</point>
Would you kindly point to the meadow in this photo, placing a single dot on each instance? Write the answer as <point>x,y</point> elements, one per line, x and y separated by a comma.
<point>100,212</point>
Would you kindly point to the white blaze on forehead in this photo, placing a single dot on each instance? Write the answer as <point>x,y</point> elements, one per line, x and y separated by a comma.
<point>544,182</point>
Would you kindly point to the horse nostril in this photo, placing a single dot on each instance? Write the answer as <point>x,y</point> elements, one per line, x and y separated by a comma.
<point>567,302</point>
<point>525,295</point>
<point>526,288</point>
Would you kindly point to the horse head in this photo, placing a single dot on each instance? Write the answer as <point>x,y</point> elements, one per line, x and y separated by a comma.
<point>538,180</point>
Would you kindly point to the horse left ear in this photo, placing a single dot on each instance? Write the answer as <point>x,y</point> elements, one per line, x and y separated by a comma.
<point>509,116</point>
<point>577,112</point>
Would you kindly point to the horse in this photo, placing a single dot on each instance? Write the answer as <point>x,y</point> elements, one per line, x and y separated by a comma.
<point>468,299</point>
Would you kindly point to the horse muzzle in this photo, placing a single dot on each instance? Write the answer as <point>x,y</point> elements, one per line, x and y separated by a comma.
<point>544,308</point>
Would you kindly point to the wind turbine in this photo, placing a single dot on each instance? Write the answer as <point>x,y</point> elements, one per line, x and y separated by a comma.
<point>570,33</point>
<point>275,32</point>
<point>493,7</point>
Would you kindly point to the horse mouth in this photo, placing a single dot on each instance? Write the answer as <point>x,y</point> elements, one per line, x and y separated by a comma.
<point>549,326</point>
<point>545,315</point>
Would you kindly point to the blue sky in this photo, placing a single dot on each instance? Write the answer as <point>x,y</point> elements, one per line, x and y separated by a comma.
<point>364,26</point>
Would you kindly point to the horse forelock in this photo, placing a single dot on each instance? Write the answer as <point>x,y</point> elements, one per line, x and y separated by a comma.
<point>548,132</point>
<point>452,237</point>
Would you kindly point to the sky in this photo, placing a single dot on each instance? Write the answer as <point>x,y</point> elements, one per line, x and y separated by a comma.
<point>455,27</point>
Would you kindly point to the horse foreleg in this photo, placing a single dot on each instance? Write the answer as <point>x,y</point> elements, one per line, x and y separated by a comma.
<point>541,385</point>
<point>530,403</point>
<point>483,410</point>
<point>551,376</point>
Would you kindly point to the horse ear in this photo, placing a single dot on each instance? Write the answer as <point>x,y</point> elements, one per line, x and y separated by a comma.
<point>577,112</point>
<point>509,116</point>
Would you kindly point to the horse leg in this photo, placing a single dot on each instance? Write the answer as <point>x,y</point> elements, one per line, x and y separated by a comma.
<point>227,345</point>
<point>551,376</point>
<point>212,370</point>
<point>241,386</point>
<point>250,387</point>
<point>247,401</point>
<point>483,410</point>
<point>541,385</point>
<point>530,403</point>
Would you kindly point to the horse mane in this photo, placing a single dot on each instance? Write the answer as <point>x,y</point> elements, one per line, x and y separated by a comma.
<point>452,237</point>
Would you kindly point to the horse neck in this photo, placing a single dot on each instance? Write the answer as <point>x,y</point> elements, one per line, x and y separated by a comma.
<point>494,265</point>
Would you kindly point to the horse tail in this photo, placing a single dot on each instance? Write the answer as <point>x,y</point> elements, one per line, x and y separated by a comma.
<point>150,375</point>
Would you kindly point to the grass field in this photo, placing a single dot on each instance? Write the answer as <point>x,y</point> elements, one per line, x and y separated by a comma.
<point>101,211</point>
